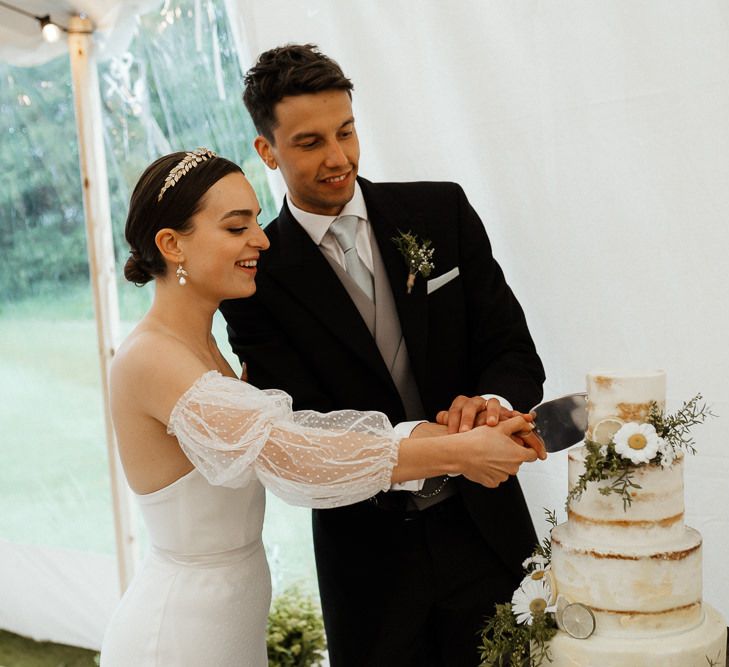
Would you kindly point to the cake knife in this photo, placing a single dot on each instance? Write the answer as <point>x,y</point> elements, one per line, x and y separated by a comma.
<point>561,422</point>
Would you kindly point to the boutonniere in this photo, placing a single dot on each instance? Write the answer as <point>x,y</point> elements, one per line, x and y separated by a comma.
<point>418,256</point>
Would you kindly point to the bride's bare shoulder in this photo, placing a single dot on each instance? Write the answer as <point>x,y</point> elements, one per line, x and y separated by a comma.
<point>149,356</point>
<point>149,373</point>
<point>147,346</point>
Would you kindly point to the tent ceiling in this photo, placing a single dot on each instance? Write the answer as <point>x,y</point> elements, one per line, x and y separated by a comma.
<point>21,42</point>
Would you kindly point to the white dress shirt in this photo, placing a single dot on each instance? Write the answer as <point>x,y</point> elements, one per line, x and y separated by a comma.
<point>317,227</point>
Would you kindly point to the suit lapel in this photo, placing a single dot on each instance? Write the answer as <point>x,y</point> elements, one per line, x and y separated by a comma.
<point>300,268</point>
<point>412,308</point>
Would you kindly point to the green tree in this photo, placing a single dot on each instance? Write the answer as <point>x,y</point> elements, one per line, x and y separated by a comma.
<point>177,87</point>
<point>41,213</point>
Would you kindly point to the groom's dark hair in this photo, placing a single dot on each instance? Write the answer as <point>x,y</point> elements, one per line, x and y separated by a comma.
<point>293,69</point>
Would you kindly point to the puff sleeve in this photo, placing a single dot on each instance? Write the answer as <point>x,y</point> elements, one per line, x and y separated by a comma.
<point>233,432</point>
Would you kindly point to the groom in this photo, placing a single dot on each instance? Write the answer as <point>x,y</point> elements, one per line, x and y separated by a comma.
<point>406,577</point>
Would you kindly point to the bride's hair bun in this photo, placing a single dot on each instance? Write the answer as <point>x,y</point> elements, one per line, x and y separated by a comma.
<point>134,270</point>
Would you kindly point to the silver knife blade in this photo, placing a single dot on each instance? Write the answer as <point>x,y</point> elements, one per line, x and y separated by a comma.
<point>561,422</point>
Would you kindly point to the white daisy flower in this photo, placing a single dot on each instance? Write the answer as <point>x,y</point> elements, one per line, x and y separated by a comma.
<point>540,561</point>
<point>637,442</point>
<point>532,597</point>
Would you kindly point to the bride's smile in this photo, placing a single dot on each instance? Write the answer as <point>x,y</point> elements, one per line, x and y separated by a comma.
<point>225,233</point>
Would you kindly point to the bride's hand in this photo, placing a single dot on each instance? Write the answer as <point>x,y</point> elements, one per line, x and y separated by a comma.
<point>530,438</point>
<point>491,454</point>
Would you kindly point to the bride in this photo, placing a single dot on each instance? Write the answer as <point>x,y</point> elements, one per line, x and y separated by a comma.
<point>198,445</point>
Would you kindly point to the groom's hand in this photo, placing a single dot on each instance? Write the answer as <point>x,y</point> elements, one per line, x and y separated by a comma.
<point>466,413</point>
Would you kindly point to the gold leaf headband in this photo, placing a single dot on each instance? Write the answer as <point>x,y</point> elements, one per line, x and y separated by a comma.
<point>190,161</point>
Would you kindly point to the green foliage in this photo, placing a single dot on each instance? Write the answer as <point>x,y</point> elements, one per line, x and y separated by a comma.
<point>675,429</point>
<point>418,255</point>
<point>295,633</point>
<point>545,548</point>
<point>506,642</point>
<point>714,662</point>
<point>165,94</point>
<point>603,463</point>
<point>41,213</point>
<point>39,261</point>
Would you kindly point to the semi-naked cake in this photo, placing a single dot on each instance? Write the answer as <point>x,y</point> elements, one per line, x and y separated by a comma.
<point>637,567</point>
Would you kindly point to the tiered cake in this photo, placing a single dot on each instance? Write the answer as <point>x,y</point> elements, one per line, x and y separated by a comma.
<point>638,568</point>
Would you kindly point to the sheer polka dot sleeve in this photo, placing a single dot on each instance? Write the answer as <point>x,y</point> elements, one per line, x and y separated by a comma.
<point>233,432</point>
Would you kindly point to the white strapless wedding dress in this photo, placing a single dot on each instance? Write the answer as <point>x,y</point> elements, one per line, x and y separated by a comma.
<point>202,595</point>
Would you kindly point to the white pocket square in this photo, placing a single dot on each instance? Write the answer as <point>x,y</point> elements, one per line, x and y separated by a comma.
<point>442,279</point>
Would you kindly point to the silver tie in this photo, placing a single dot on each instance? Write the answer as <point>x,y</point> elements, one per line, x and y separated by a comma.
<point>345,231</point>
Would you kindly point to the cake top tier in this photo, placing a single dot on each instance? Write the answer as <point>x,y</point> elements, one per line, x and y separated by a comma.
<point>616,397</point>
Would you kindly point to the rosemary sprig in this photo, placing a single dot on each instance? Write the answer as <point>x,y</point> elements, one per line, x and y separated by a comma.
<point>545,548</point>
<point>603,463</point>
<point>506,642</point>
<point>675,428</point>
<point>715,661</point>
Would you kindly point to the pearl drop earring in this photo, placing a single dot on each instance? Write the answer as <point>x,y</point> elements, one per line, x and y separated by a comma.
<point>181,275</point>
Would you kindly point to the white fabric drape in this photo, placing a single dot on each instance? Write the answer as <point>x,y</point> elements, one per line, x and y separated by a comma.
<point>21,42</point>
<point>592,138</point>
<point>56,594</point>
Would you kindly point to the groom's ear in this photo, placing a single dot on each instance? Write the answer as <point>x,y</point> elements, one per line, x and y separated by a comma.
<point>168,242</point>
<point>265,151</point>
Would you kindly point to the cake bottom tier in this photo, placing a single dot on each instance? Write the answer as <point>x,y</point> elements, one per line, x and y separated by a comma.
<point>701,646</point>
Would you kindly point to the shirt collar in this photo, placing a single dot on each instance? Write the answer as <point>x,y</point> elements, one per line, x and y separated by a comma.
<point>317,226</point>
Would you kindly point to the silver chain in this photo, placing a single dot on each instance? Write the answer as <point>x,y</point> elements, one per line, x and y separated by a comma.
<point>434,492</point>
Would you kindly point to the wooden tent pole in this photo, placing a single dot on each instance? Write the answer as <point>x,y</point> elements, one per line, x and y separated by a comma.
<point>100,246</point>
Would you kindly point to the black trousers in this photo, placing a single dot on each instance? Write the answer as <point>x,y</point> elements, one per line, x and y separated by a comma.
<point>406,589</point>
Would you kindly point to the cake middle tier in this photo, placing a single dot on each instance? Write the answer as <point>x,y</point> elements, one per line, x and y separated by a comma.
<point>636,591</point>
<point>655,515</point>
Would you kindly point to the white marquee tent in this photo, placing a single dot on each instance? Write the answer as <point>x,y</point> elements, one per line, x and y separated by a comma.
<point>591,136</point>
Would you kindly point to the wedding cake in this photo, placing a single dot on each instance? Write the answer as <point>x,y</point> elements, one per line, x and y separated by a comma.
<point>626,562</point>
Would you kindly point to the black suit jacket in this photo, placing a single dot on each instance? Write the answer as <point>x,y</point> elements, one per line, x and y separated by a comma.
<point>301,332</point>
